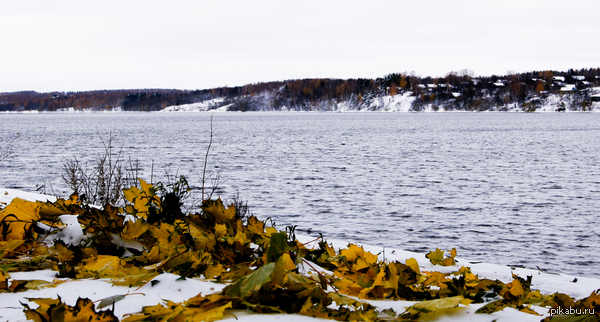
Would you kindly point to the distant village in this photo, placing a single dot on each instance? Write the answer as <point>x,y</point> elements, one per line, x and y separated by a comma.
<point>548,91</point>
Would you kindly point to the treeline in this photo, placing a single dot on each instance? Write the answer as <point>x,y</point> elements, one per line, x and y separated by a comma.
<point>462,91</point>
<point>129,100</point>
<point>457,90</point>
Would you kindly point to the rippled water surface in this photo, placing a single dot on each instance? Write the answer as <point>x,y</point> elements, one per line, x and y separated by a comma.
<point>507,188</point>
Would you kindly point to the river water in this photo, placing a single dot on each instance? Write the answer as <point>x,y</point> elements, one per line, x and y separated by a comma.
<point>507,188</point>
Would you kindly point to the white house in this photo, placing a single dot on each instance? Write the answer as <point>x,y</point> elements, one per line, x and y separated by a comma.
<point>569,88</point>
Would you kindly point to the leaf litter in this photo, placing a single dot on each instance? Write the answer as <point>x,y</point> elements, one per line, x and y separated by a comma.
<point>262,268</point>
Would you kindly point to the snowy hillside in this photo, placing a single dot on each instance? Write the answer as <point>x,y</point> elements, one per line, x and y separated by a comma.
<point>404,102</point>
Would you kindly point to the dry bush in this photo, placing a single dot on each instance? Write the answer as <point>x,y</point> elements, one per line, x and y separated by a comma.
<point>102,181</point>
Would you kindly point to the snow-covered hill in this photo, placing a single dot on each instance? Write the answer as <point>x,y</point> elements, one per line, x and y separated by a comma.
<point>402,102</point>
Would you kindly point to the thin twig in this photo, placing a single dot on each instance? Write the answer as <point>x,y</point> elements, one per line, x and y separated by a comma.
<point>312,241</point>
<point>206,157</point>
<point>325,279</point>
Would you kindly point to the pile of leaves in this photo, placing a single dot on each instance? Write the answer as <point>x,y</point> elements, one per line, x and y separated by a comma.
<point>267,270</point>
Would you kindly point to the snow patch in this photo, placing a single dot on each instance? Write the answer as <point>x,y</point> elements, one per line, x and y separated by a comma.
<point>213,105</point>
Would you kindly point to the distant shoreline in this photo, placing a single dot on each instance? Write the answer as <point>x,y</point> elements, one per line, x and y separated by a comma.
<point>545,91</point>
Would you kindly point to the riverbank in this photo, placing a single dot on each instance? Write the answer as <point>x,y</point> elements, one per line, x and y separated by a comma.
<point>171,287</point>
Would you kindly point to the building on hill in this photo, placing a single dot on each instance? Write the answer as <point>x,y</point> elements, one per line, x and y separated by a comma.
<point>569,88</point>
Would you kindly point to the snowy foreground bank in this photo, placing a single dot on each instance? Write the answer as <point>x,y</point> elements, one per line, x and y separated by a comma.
<point>171,287</point>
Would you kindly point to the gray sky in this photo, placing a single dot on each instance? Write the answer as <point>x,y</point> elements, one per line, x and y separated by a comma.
<point>81,45</point>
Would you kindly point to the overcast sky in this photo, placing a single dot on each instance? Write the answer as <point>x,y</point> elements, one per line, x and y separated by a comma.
<point>81,45</point>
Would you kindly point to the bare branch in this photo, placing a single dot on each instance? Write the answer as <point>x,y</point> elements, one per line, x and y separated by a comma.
<point>206,158</point>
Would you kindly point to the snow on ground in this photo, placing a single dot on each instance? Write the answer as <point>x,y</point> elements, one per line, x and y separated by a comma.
<point>7,195</point>
<point>398,103</point>
<point>198,107</point>
<point>171,287</point>
<point>552,103</point>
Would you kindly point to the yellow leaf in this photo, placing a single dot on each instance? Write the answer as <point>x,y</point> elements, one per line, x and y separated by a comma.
<point>101,266</point>
<point>378,282</point>
<point>203,240</point>
<point>49,211</point>
<point>492,307</point>
<point>515,288</point>
<point>19,216</point>
<point>270,231</point>
<point>213,271</point>
<point>429,306</point>
<point>352,252</point>
<point>436,279</point>
<point>39,250</point>
<point>453,253</point>
<point>220,230</point>
<point>466,301</point>
<point>279,275</point>
<point>142,199</point>
<point>371,258</point>
<point>156,313</point>
<point>131,193</point>
<point>134,229</point>
<point>6,247</point>
<point>436,256</point>
<point>42,312</point>
<point>73,200</point>
<point>414,265</point>
<point>89,252</point>
<point>528,310</point>
<point>217,210</point>
<point>288,263</point>
<point>162,233</point>
<point>3,279</point>
<point>392,277</point>
<point>134,280</point>
<point>64,254</point>
<point>39,284</point>
<point>155,255</point>
<point>56,310</point>
<point>471,280</point>
<point>107,266</point>
<point>202,314</point>
<point>306,307</point>
<point>591,302</point>
<point>344,300</point>
<point>360,264</point>
<point>426,310</point>
<point>255,226</point>
<point>146,188</point>
<point>347,286</point>
<point>241,239</point>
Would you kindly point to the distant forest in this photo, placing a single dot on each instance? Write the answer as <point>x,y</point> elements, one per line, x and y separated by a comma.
<point>457,90</point>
